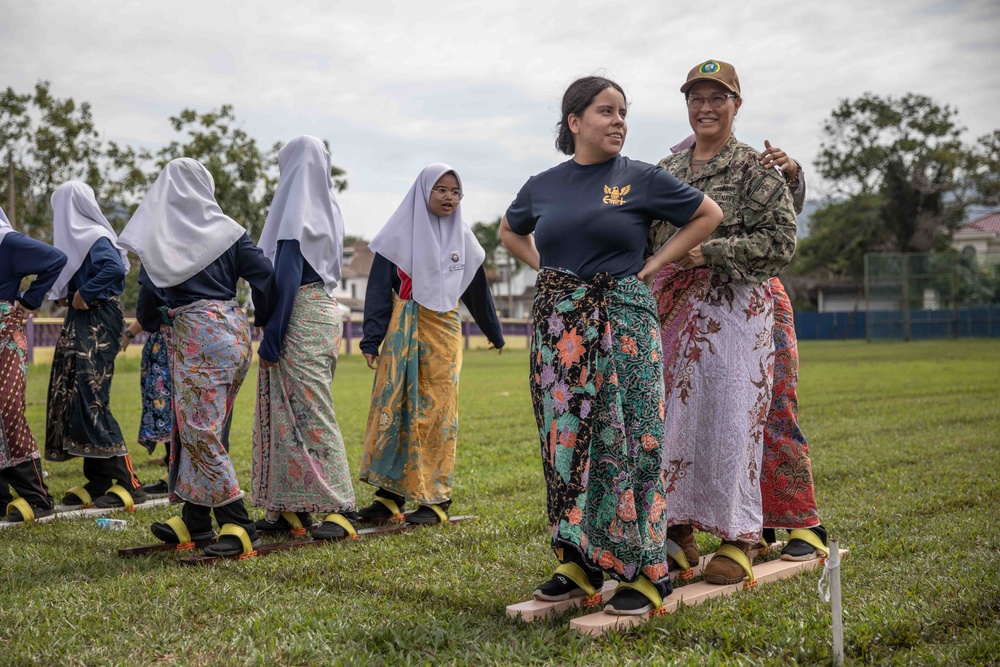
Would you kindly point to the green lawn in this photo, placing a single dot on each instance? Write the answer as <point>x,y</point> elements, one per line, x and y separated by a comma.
<point>906,450</point>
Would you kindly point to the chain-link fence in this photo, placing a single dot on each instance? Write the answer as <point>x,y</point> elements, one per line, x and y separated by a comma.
<point>931,295</point>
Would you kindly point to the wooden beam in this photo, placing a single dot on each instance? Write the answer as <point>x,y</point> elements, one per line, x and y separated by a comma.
<point>599,623</point>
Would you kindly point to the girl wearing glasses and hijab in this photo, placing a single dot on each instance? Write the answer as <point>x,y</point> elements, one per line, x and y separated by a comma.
<point>426,260</point>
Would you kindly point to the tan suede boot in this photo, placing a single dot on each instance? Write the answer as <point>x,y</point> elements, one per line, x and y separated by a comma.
<point>683,536</point>
<point>723,569</point>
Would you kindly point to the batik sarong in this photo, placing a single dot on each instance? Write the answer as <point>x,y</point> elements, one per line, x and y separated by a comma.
<point>299,461</point>
<point>597,390</point>
<point>17,444</point>
<point>786,479</point>
<point>211,342</point>
<point>412,428</point>
<point>156,422</point>
<point>718,356</point>
<point>78,420</point>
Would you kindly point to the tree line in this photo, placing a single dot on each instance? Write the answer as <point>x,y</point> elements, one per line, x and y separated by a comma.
<point>902,178</point>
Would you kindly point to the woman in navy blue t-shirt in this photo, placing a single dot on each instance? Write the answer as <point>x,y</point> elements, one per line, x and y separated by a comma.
<point>596,369</point>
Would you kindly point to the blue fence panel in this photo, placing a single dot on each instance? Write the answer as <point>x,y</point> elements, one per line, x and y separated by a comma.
<point>811,325</point>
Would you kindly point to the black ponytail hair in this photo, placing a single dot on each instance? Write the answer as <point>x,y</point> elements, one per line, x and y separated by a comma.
<point>578,97</point>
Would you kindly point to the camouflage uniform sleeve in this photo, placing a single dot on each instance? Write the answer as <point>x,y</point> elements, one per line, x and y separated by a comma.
<point>767,242</point>
<point>799,191</point>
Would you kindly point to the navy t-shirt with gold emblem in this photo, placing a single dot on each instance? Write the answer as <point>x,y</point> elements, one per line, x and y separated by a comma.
<point>592,219</point>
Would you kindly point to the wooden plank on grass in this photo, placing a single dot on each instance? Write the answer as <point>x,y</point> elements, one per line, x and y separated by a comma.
<point>692,594</point>
<point>534,610</point>
<point>76,512</point>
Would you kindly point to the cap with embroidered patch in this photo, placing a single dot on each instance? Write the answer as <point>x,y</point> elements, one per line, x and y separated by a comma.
<point>713,70</point>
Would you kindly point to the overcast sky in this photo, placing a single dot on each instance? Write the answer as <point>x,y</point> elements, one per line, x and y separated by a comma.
<point>394,86</point>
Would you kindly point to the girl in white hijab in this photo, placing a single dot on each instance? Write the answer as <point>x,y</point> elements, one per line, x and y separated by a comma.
<point>78,420</point>
<point>299,462</point>
<point>426,260</point>
<point>195,254</point>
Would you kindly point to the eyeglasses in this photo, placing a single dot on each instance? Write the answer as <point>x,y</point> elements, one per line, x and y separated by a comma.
<point>444,192</point>
<point>715,101</point>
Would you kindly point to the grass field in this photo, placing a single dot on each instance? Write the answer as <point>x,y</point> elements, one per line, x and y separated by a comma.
<point>906,450</point>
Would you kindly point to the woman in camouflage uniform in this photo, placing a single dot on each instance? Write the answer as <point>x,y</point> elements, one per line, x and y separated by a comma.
<point>716,319</point>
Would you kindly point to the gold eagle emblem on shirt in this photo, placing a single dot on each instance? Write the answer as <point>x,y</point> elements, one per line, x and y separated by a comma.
<point>614,195</point>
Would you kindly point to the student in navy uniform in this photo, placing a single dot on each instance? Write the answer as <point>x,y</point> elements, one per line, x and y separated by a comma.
<point>20,468</point>
<point>426,259</point>
<point>195,254</point>
<point>78,418</point>
<point>299,461</point>
<point>596,373</point>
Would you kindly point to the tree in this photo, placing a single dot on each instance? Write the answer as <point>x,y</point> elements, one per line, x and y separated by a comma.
<point>903,177</point>
<point>49,141</point>
<point>245,175</point>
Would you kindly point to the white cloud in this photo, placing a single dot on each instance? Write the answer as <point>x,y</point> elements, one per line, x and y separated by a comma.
<point>394,86</point>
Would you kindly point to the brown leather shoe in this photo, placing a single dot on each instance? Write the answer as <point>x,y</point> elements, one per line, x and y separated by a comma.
<point>723,569</point>
<point>683,536</point>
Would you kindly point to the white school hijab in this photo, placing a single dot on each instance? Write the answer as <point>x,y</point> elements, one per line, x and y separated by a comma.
<point>77,224</point>
<point>441,255</point>
<point>5,227</point>
<point>179,229</point>
<point>304,209</point>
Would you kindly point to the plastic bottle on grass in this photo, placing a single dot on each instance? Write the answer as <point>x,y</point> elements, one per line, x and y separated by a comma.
<point>112,524</point>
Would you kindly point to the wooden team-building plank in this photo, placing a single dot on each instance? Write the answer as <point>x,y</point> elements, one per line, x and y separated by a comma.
<point>299,543</point>
<point>534,610</point>
<point>692,594</point>
<point>76,512</point>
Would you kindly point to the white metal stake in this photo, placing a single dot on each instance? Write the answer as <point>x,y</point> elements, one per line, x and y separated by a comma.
<point>833,563</point>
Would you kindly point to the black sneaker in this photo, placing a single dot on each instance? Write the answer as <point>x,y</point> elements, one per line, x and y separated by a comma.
<point>628,602</point>
<point>378,512</point>
<point>328,530</point>
<point>427,516</point>
<point>561,587</point>
<point>164,533</point>
<point>282,525</point>
<point>229,546</point>
<point>109,500</point>
<point>800,550</point>
<point>15,515</point>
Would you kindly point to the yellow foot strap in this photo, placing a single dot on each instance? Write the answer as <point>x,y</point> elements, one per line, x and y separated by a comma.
<point>811,538</point>
<point>122,493</point>
<point>737,556</point>
<point>675,552</point>
<point>82,494</point>
<point>22,506</point>
<point>393,508</point>
<point>293,520</point>
<point>240,533</point>
<point>646,587</point>
<point>180,529</point>
<point>342,521</point>
<point>441,514</point>
<point>575,573</point>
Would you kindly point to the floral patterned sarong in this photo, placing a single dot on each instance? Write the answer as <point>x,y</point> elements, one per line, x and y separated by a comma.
<point>718,356</point>
<point>786,479</point>
<point>211,342</point>
<point>78,419</point>
<point>17,444</point>
<point>412,428</point>
<point>299,461</point>
<point>597,390</point>
<point>157,418</point>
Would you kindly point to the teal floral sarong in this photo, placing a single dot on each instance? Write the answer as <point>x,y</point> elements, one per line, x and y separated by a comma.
<point>597,390</point>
